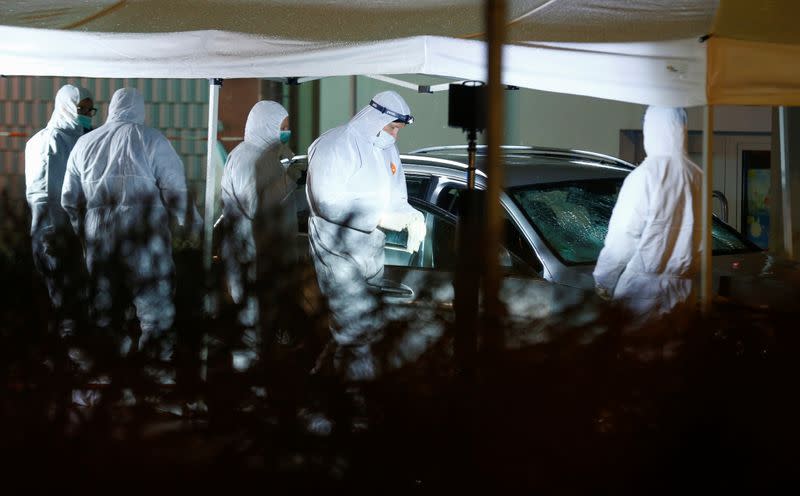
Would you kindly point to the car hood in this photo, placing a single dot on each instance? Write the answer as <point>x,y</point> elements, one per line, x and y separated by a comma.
<point>758,280</point>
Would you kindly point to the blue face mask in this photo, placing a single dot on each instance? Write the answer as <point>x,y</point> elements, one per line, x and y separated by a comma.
<point>285,136</point>
<point>85,121</point>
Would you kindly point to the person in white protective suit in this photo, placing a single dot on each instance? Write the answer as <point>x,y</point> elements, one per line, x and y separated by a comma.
<point>652,250</point>
<point>56,250</point>
<point>254,182</point>
<point>124,184</point>
<point>356,189</point>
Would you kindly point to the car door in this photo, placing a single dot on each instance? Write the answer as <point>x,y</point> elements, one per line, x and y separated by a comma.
<point>523,257</point>
<point>426,277</point>
<point>429,272</point>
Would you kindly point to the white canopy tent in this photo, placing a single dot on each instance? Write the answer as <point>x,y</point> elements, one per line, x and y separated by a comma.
<point>643,51</point>
<point>611,49</point>
<point>319,38</point>
<point>667,73</point>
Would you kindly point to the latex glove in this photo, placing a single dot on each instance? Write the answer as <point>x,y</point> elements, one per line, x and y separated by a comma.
<point>416,232</point>
<point>602,292</point>
<point>395,221</point>
<point>295,170</point>
<point>411,220</point>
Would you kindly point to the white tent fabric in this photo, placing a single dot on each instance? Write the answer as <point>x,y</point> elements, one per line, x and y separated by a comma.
<point>370,20</point>
<point>615,49</point>
<point>666,73</point>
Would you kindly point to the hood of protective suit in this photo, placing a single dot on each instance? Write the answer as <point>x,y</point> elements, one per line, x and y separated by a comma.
<point>65,110</point>
<point>369,121</point>
<point>664,131</point>
<point>127,105</point>
<point>263,127</point>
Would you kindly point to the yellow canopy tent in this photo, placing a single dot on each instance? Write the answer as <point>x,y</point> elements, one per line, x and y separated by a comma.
<point>753,54</point>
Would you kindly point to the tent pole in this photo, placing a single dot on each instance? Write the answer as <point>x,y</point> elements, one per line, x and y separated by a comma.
<point>214,85</point>
<point>211,183</point>
<point>495,19</point>
<point>353,95</point>
<point>706,276</point>
<point>786,186</point>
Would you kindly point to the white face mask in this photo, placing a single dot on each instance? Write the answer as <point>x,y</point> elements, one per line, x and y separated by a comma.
<point>384,140</point>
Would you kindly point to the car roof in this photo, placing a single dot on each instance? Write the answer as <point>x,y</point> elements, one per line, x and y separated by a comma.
<point>524,164</point>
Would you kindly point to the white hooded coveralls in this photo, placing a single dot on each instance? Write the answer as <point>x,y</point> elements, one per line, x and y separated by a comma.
<point>124,184</point>
<point>352,183</point>
<point>254,183</point>
<point>652,249</point>
<point>56,250</point>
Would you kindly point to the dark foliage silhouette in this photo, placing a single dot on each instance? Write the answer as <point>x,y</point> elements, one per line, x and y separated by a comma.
<point>572,404</point>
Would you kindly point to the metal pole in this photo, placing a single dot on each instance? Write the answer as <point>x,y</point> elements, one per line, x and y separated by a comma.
<point>786,185</point>
<point>472,152</point>
<point>511,133</point>
<point>353,95</point>
<point>211,197</point>
<point>468,269</point>
<point>706,275</point>
<point>496,18</point>
<point>211,171</point>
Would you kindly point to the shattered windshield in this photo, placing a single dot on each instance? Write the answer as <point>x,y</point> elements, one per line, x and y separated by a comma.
<point>572,218</point>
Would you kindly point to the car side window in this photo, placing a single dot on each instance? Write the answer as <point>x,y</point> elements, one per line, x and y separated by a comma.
<point>437,250</point>
<point>523,258</point>
<point>417,186</point>
<point>440,252</point>
<point>394,249</point>
<point>448,198</point>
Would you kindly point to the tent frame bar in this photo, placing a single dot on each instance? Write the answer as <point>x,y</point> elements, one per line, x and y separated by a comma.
<point>496,14</point>
<point>706,274</point>
<point>418,88</point>
<point>786,185</point>
<point>214,85</point>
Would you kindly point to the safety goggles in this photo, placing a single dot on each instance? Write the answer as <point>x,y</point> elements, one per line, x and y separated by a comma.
<point>405,119</point>
<point>87,111</point>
